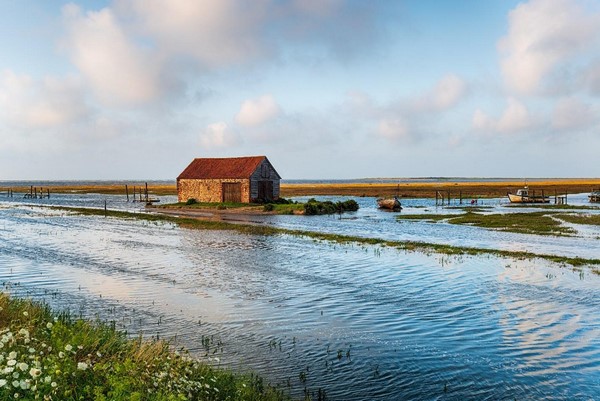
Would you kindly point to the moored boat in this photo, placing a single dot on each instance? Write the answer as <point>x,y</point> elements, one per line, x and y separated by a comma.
<point>389,203</point>
<point>523,196</point>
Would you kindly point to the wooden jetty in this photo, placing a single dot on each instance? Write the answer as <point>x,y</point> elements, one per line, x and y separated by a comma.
<point>141,195</point>
<point>37,193</point>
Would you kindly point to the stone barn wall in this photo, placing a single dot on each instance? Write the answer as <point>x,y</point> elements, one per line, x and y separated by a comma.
<point>208,190</point>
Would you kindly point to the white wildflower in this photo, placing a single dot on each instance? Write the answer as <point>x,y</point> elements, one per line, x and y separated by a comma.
<point>35,372</point>
<point>68,347</point>
<point>12,355</point>
<point>61,354</point>
<point>25,313</point>
<point>2,383</point>
<point>49,325</point>
<point>11,362</point>
<point>23,366</point>
<point>16,383</point>
<point>54,385</point>
<point>82,366</point>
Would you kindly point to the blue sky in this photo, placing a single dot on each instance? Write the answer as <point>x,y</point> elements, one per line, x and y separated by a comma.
<point>134,89</point>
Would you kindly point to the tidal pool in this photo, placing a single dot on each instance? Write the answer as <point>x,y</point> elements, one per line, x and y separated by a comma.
<point>359,322</point>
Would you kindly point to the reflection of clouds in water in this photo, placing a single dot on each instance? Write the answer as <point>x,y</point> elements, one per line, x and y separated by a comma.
<point>466,319</point>
<point>544,327</point>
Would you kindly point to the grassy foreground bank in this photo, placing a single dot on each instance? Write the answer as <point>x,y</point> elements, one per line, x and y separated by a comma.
<point>195,223</point>
<point>48,356</point>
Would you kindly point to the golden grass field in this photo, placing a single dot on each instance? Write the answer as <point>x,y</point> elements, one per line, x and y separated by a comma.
<point>407,190</point>
<point>428,189</point>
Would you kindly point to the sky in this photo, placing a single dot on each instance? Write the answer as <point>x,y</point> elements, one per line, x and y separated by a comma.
<point>326,89</point>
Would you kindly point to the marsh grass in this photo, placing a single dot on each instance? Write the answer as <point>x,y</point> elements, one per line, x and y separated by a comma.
<point>540,223</point>
<point>49,356</point>
<point>333,238</point>
<point>588,219</point>
<point>524,223</point>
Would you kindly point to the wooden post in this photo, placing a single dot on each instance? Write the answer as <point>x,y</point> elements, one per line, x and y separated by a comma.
<point>48,189</point>
<point>133,193</point>
<point>127,192</point>
<point>35,191</point>
<point>436,198</point>
<point>460,196</point>
<point>104,207</point>
<point>146,192</point>
<point>448,198</point>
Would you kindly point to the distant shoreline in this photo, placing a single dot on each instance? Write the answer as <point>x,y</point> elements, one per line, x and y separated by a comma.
<point>413,187</point>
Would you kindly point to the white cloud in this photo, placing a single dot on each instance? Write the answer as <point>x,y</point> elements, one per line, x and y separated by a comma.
<point>396,129</point>
<point>515,118</point>
<point>447,92</point>
<point>572,114</point>
<point>37,104</point>
<point>591,78</point>
<point>542,35</point>
<point>258,111</point>
<point>218,135</point>
<point>214,33</point>
<point>119,70</point>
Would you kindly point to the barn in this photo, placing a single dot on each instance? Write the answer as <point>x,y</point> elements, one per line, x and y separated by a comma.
<point>231,179</point>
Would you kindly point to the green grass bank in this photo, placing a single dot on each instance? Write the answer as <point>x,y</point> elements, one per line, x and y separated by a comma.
<point>49,356</point>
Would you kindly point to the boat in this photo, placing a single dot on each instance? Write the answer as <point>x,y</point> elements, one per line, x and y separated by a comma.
<point>523,196</point>
<point>389,203</point>
<point>594,196</point>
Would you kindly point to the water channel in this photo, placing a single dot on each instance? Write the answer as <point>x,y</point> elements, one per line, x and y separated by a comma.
<point>361,322</point>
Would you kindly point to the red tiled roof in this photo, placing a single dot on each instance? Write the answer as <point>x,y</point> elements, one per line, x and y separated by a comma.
<point>216,168</point>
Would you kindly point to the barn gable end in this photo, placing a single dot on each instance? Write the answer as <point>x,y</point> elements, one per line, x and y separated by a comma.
<point>237,179</point>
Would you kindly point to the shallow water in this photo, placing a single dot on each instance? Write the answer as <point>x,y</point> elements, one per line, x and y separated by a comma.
<point>360,322</point>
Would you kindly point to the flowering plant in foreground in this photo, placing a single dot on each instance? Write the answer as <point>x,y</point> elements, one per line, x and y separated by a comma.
<point>48,357</point>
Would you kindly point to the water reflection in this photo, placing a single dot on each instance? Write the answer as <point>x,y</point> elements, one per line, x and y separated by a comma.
<point>361,322</point>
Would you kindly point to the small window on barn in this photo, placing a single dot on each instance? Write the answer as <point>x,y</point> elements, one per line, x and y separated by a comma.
<point>264,171</point>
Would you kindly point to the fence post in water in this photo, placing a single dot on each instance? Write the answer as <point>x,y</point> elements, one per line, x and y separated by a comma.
<point>448,198</point>
<point>460,196</point>
<point>48,189</point>
<point>146,192</point>
<point>104,207</point>
<point>127,192</point>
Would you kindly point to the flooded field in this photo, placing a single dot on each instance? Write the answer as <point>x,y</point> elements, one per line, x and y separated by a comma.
<point>359,322</point>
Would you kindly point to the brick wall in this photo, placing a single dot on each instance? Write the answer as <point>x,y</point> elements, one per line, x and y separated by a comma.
<point>208,190</point>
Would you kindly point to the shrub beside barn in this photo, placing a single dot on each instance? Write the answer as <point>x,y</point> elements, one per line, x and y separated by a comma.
<point>232,179</point>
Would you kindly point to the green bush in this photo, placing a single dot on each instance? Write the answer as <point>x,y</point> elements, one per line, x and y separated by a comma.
<point>314,207</point>
<point>191,201</point>
<point>268,207</point>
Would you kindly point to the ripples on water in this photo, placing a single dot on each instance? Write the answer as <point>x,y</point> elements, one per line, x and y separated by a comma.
<point>361,322</point>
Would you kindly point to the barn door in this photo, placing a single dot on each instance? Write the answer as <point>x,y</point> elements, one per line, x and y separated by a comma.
<point>232,192</point>
<point>265,190</point>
